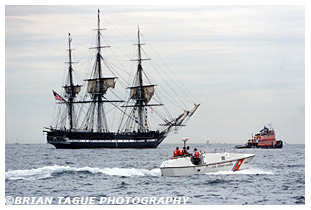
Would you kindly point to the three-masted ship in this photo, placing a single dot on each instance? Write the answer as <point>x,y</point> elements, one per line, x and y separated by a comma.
<point>134,130</point>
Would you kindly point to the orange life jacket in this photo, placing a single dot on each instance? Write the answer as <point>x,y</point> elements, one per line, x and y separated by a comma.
<point>196,154</point>
<point>181,152</point>
<point>176,152</point>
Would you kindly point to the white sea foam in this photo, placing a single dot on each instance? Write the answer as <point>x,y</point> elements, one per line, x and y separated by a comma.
<point>49,171</point>
<point>38,173</point>
<point>249,171</point>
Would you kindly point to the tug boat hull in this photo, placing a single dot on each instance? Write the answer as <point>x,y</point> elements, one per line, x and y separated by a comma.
<point>210,163</point>
<point>265,139</point>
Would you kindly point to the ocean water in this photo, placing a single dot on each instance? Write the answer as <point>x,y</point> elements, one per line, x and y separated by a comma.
<point>40,170</point>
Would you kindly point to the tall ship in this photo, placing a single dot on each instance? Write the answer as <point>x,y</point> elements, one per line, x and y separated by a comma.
<point>83,122</point>
<point>264,139</point>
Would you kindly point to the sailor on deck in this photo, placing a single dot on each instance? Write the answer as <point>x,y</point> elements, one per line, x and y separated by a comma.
<point>188,151</point>
<point>176,152</point>
<point>196,157</point>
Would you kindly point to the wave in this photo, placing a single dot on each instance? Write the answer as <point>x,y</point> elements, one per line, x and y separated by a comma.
<point>50,171</point>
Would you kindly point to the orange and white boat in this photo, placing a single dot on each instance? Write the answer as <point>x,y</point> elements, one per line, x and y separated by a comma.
<point>264,139</point>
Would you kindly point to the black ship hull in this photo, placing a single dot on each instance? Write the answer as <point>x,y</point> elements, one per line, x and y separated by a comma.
<point>81,140</point>
<point>278,145</point>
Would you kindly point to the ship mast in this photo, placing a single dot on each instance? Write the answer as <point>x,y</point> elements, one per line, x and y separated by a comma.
<point>141,98</point>
<point>97,87</point>
<point>71,89</point>
<point>70,113</point>
<point>140,92</point>
<point>98,60</point>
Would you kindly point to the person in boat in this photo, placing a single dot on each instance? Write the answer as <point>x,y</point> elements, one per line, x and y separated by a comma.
<point>196,157</point>
<point>183,151</point>
<point>176,152</point>
<point>188,151</point>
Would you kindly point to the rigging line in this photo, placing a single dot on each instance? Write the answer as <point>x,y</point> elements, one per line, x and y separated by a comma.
<point>167,66</point>
<point>52,123</point>
<point>117,48</point>
<point>86,64</point>
<point>123,111</point>
<point>120,82</point>
<point>127,125</point>
<point>117,67</point>
<point>81,110</point>
<point>168,96</point>
<point>78,78</point>
<point>121,119</point>
<point>63,119</point>
<point>120,31</point>
<point>115,96</point>
<point>105,126</point>
<point>167,112</point>
<point>78,115</point>
<point>153,118</point>
<point>80,43</point>
<point>170,87</point>
<point>88,117</point>
<point>123,115</point>
<point>183,86</point>
<point>168,84</point>
<point>83,40</point>
<point>157,96</point>
<point>56,118</point>
<point>114,73</point>
<point>133,68</point>
<point>82,61</point>
<point>113,118</point>
<point>160,115</point>
<point>158,100</point>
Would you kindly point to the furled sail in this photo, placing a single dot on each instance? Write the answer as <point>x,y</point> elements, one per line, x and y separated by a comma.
<point>181,118</point>
<point>100,85</point>
<point>76,90</point>
<point>148,92</point>
<point>191,112</point>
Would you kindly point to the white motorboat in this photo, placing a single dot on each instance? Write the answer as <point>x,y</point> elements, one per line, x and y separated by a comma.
<point>209,163</point>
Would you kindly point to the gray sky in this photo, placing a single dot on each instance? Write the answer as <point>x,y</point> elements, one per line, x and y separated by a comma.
<point>244,64</point>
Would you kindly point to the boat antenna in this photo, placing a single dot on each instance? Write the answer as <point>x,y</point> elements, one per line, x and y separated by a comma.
<point>185,139</point>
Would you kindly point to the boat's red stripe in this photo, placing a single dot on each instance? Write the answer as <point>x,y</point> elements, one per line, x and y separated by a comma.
<point>237,165</point>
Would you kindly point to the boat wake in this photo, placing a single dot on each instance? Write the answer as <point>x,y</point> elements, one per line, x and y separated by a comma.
<point>249,171</point>
<point>52,171</point>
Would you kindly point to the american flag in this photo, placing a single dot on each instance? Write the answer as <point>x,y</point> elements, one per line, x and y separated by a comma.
<point>57,97</point>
